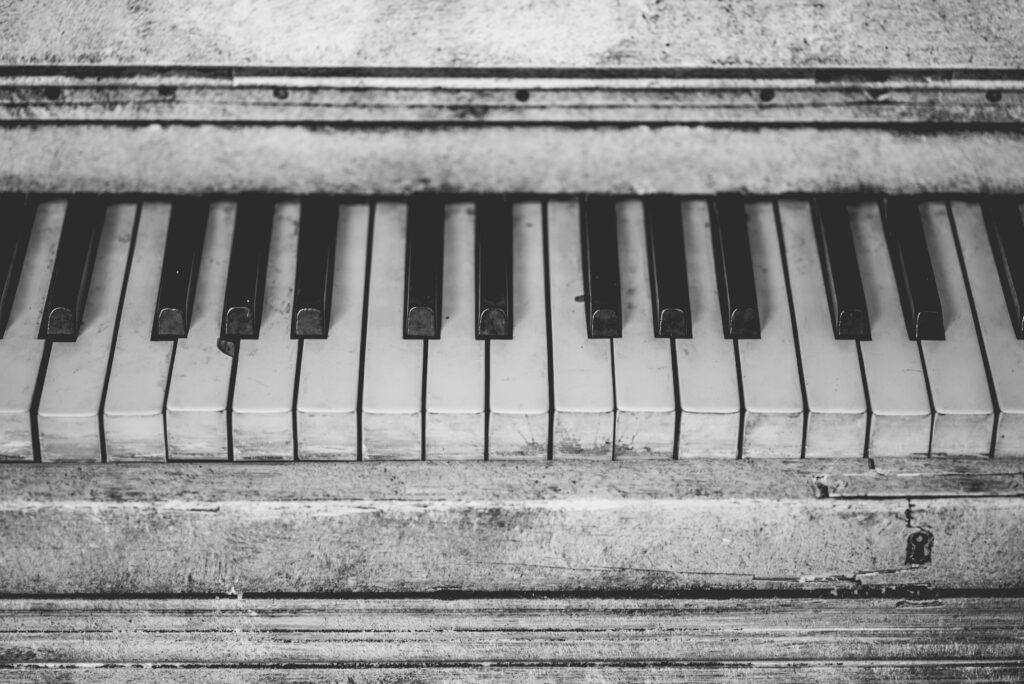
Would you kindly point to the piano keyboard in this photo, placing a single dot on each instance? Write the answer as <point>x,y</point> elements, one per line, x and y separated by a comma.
<point>254,329</point>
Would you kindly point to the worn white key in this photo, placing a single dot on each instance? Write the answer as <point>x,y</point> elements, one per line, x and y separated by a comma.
<point>584,420</point>
<point>328,397</point>
<point>70,403</point>
<point>261,408</point>
<point>133,412</point>
<point>199,390</point>
<point>455,363</point>
<point>837,417</point>
<point>773,423</point>
<point>393,366</point>
<point>901,418</point>
<point>645,395</point>
<point>1004,351</point>
<point>708,381</point>
<point>963,419</point>
<point>520,400</point>
<point>21,350</point>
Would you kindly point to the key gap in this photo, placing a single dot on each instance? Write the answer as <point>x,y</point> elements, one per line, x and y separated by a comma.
<point>675,391</point>
<point>423,405</point>
<point>362,341</point>
<point>37,394</point>
<point>487,399</point>
<point>931,402</point>
<point>792,322</point>
<point>743,405</point>
<point>615,401</point>
<point>117,327</point>
<point>231,399</point>
<point>867,398</point>
<point>295,402</point>
<point>977,331</point>
<point>167,392</point>
<point>547,320</point>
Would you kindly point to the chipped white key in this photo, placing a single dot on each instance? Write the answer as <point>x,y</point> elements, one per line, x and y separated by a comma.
<point>773,422</point>
<point>133,412</point>
<point>328,397</point>
<point>901,418</point>
<point>21,350</point>
<point>71,399</point>
<point>200,384</point>
<point>455,363</point>
<point>963,420</point>
<point>584,419</point>
<point>645,397</point>
<point>837,417</point>
<point>520,400</point>
<point>393,366</point>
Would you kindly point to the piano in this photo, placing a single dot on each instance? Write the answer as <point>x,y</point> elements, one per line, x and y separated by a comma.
<point>635,343</point>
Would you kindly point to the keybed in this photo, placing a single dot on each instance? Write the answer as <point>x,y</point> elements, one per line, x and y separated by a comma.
<point>269,328</point>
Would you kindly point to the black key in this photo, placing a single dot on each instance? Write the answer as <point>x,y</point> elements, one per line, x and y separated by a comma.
<point>915,278</point>
<point>243,297</point>
<point>493,269</point>
<point>1006,233</point>
<point>72,268</point>
<point>15,223</point>
<point>182,254</point>
<point>735,270</point>
<point>424,257</point>
<point>601,267</point>
<point>842,275</point>
<point>667,258</point>
<point>314,275</point>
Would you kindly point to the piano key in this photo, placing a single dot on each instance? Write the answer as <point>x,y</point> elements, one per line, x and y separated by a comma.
<point>327,404</point>
<point>494,268</point>
<point>264,395</point>
<point>16,216</point>
<point>1006,232</point>
<point>669,288</point>
<point>841,274</point>
<point>456,367</point>
<point>584,394</point>
<point>317,234</point>
<point>740,316</point>
<point>243,297</point>
<point>901,418</point>
<point>182,255</point>
<point>133,411</point>
<point>83,223</point>
<point>423,255</point>
<point>961,401</point>
<point>915,277</point>
<point>645,395</point>
<point>71,399</point>
<point>21,351</point>
<point>837,417</point>
<point>392,419</point>
<point>601,267</point>
<point>199,390</point>
<point>519,422</point>
<point>706,365</point>
<point>773,422</point>
<point>1003,350</point>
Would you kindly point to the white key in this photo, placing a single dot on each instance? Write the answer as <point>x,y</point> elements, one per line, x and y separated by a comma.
<point>70,403</point>
<point>706,365</point>
<point>198,394</point>
<point>328,398</point>
<point>773,423</point>
<point>961,399</point>
<point>520,399</point>
<point>645,395</point>
<point>455,363</point>
<point>901,418</point>
<point>837,418</point>
<point>261,408</point>
<point>1004,351</point>
<point>393,366</point>
<point>133,412</point>
<point>21,350</point>
<point>584,421</point>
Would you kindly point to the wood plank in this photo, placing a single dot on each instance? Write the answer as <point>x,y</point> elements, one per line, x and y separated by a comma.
<point>922,477</point>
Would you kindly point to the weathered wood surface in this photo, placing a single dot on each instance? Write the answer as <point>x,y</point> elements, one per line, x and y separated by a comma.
<point>887,33</point>
<point>525,159</point>
<point>421,527</point>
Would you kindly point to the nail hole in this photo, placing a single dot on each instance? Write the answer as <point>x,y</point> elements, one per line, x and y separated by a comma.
<point>767,95</point>
<point>281,93</point>
<point>523,95</point>
<point>51,92</point>
<point>166,91</point>
<point>994,95</point>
